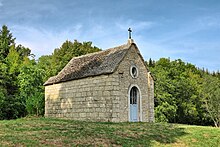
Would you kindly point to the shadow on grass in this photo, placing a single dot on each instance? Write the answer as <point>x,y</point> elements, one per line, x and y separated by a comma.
<point>127,134</point>
<point>58,132</point>
<point>132,134</point>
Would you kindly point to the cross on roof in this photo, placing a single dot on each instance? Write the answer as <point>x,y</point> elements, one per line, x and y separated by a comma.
<point>129,31</point>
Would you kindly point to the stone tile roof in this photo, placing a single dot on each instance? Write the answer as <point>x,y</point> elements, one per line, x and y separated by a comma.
<point>103,62</point>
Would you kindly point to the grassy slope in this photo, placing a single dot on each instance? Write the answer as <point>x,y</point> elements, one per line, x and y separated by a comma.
<point>55,132</point>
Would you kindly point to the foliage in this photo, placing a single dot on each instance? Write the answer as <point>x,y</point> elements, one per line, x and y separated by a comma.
<point>9,102</point>
<point>35,104</point>
<point>22,78</point>
<point>12,58</point>
<point>44,63</point>
<point>212,98</point>
<point>23,51</point>
<point>30,81</point>
<point>68,50</point>
<point>58,132</point>
<point>52,64</point>
<point>6,41</point>
<point>178,92</point>
<point>10,107</point>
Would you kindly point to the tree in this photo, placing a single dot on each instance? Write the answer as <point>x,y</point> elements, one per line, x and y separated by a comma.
<point>45,63</point>
<point>165,103</point>
<point>13,66</point>
<point>61,56</point>
<point>30,81</point>
<point>12,58</point>
<point>10,105</point>
<point>177,89</point>
<point>6,41</point>
<point>151,63</point>
<point>23,51</point>
<point>212,98</point>
<point>22,78</point>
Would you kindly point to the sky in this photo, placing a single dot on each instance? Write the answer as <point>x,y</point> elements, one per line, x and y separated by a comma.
<point>177,29</point>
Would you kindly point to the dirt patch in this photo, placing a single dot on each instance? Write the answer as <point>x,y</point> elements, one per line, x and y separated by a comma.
<point>194,140</point>
<point>178,144</point>
<point>52,142</point>
<point>206,135</point>
<point>105,142</point>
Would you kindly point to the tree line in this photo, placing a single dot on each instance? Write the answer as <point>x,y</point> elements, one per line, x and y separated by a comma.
<point>183,93</point>
<point>22,76</point>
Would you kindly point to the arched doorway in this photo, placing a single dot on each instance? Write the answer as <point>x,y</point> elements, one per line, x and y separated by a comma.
<point>134,96</point>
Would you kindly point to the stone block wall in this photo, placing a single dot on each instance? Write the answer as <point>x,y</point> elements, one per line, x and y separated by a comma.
<point>144,82</point>
<point>151,97</point>
<point>92,98</point>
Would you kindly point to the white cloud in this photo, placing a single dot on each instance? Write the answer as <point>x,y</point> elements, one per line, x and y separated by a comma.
<point>208,21</point>
<point>42,41</point>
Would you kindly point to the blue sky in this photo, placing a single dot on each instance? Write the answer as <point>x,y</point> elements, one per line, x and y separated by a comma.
<point>185,29</point>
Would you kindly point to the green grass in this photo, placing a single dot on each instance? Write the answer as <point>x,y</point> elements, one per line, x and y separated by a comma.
<point>58,132</point>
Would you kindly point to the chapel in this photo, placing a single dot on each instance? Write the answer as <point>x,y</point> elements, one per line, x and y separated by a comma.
<point>113,85</point>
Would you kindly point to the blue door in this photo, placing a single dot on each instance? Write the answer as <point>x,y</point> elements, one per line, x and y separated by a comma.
<point>134,104</point>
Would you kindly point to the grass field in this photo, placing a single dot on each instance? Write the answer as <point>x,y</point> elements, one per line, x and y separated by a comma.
<point>56,132</point>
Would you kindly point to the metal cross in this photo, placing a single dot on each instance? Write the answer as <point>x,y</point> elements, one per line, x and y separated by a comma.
<point>129,31</point>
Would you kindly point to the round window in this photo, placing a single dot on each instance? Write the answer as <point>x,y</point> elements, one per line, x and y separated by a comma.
<point>134,71</point>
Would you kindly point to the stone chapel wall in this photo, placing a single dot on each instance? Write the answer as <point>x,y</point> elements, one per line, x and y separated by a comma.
<point>92,98</point>
<point>126,81</point>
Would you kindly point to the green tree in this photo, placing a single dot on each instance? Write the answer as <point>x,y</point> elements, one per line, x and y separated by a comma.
<point>151,63</point>
<point>30,81</point>
<point>6,41</point>
<point>67,51</point>
<point>165,103</point>
<point>24,52</point>
<point>10,105</point>
<point>52,64</point>
<point>13,62</point>
<point>212,98</point>
<point>45,63</point>
<point>21,79</point>
<point>177,92</point>
<point>12,58</point>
